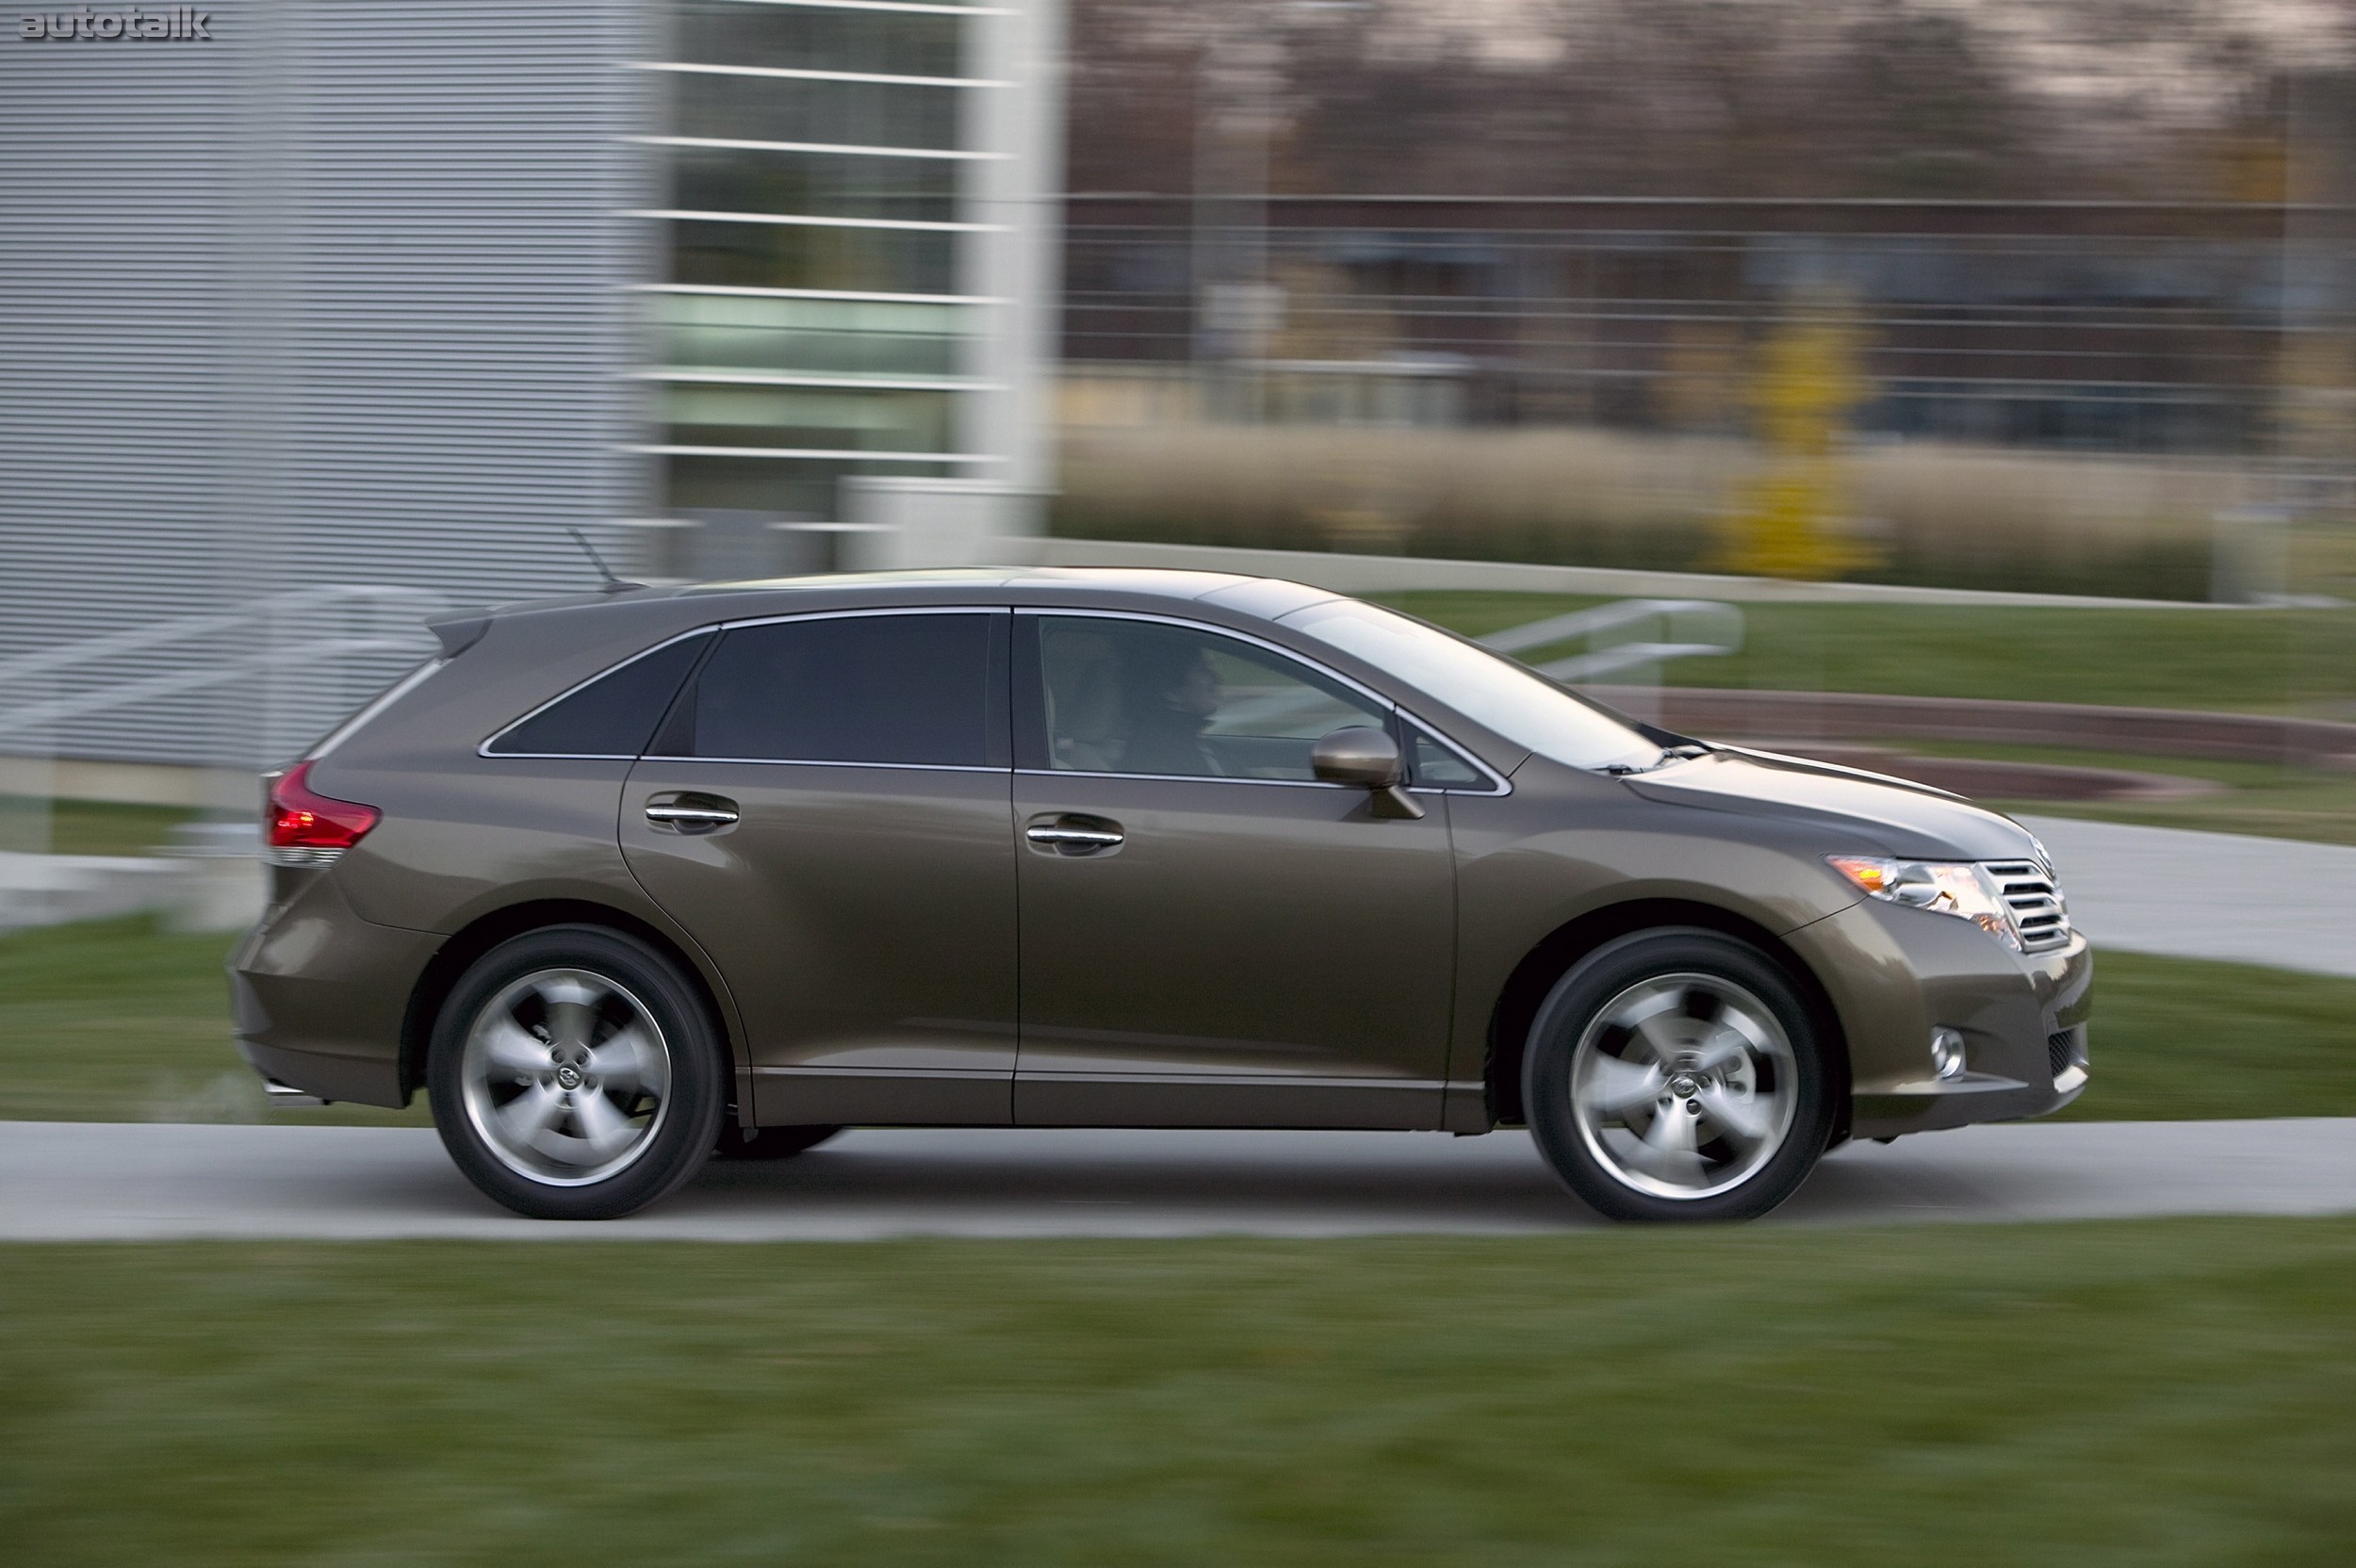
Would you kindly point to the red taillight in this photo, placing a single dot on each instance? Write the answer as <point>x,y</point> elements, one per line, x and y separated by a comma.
<point>303,818</point>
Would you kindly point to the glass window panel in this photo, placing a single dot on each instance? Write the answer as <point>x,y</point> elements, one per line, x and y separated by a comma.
<point>825,336</point>
<point>825,417</point>
<point>853,114</point>
<point>907,689</point>
<point>612,715</point>
<point>787,255</point>
<point>1440,768</point>
<point>799,38</point>
<point>1140,697</point>
<point>821,185</point>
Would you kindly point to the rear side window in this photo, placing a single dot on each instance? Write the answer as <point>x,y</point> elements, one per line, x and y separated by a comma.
<point>921,689</point>
<point>612,716</point>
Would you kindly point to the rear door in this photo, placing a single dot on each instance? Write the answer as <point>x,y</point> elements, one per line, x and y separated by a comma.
<point>827,810</point>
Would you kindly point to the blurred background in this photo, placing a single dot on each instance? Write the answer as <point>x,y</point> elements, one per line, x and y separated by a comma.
<point>1958,388</point>
<point>1896,379</point>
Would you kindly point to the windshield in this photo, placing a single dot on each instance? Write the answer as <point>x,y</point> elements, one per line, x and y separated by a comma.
<point>1487,688</point>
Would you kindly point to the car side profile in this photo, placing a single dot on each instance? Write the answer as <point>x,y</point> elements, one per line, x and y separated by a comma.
<point>621,882</point>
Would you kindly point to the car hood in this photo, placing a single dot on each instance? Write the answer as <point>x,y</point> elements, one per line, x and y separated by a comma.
<point>1869,810</point>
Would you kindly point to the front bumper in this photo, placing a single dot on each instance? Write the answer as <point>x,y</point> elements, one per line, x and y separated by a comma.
<point>1895,974</point>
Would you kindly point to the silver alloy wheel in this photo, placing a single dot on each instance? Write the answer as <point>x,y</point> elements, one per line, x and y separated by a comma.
<point>566,1077</point>
<point>1684,1086</point>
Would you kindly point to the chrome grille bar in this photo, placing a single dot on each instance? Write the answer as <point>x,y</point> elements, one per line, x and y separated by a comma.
<point>2041,916</point>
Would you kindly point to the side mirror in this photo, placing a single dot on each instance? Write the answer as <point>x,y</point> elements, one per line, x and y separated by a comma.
<point>1368,758</point>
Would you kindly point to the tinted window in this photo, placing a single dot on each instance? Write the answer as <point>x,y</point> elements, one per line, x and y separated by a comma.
<point>612,715</point>
<point>1143,697</point>
<point>1440,768</point>
<point>910,689</point>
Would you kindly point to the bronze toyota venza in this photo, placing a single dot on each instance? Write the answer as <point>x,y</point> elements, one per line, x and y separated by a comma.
<point>621,882</point>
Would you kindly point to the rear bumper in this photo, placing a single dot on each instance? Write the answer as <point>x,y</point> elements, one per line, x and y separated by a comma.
<point>319,996</point>
<point>1896,973</point>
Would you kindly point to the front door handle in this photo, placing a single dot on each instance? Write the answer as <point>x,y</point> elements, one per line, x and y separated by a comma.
<point>686,812</point>
<point>1072,833</point>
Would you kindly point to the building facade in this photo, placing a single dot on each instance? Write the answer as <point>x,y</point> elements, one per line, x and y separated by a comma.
<point>340,311</point>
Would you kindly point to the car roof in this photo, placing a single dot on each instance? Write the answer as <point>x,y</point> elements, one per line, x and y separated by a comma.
<point>1160,582</point>
<point>663,611</point>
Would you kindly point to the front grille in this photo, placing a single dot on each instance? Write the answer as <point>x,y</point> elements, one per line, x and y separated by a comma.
<point>2059,1049</point>
<point>2040,916</point>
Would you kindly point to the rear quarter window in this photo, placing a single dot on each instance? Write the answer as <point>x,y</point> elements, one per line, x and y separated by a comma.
<point>612,715</point>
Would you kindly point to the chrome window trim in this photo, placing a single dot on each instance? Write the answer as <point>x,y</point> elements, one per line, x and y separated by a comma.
<point>867,610</point>
<point>1182,778</point>
<point>485,752</point>
<point>823,763</point>
<point>1502,787</point>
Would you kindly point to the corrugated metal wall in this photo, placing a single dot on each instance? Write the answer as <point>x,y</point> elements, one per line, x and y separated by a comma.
<point>335,298</point>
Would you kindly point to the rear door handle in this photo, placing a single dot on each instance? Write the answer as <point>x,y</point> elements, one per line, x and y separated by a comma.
<point>686,812</point>
<point>1072,833</point>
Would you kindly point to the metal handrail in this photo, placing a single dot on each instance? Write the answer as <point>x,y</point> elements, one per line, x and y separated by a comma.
<point>382,602</point>
<point>1720,632</point>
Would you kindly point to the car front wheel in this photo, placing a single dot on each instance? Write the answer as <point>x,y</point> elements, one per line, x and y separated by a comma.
<point>1676,1074</point>
<point>575,1074</point>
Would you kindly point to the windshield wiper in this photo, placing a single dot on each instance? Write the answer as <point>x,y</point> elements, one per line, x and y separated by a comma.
<point>1668,754</point>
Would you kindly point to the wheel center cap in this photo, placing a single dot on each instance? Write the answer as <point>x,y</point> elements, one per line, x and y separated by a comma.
<point>569,1077</point>
<point>1683,1086</point>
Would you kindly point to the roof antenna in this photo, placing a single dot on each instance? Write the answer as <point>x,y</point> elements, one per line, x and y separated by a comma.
<point>613,584</point>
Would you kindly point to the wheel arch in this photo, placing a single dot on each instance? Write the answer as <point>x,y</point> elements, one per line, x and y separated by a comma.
<point>1526,990</point>
<point>472,940</point>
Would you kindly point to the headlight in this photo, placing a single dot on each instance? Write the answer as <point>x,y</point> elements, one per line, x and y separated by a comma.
<point>1949,887</point>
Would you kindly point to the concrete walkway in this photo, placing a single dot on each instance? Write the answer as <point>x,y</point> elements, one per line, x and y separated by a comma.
<point>120,1182</point>
<point>2208,895</point>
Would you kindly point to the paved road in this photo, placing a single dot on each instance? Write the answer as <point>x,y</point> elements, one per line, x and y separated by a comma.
<point>2208,895</point>
<point>101,1180</point>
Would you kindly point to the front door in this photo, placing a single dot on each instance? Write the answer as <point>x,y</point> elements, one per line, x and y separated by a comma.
<point>827,811</point>
<point>1210,937</point>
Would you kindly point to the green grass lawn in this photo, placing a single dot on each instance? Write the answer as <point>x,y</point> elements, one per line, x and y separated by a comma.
<point>2150,1394</point>
<point>2255,660</point>
<point>120,1021</point>
<point>88,826</point>
<point>2261,798</point>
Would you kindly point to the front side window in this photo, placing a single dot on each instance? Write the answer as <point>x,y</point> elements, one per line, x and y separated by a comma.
<point>1144,697</point>
<point>911,690</point>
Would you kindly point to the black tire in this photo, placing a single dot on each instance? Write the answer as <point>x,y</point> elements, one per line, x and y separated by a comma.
<point>599,997</point>
<point>1711,1043</point>
<point>768,1143</point>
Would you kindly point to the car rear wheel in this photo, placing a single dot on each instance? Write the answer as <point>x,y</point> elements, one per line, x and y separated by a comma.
<point>575,1074</point>
<point>1676,1074</point>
